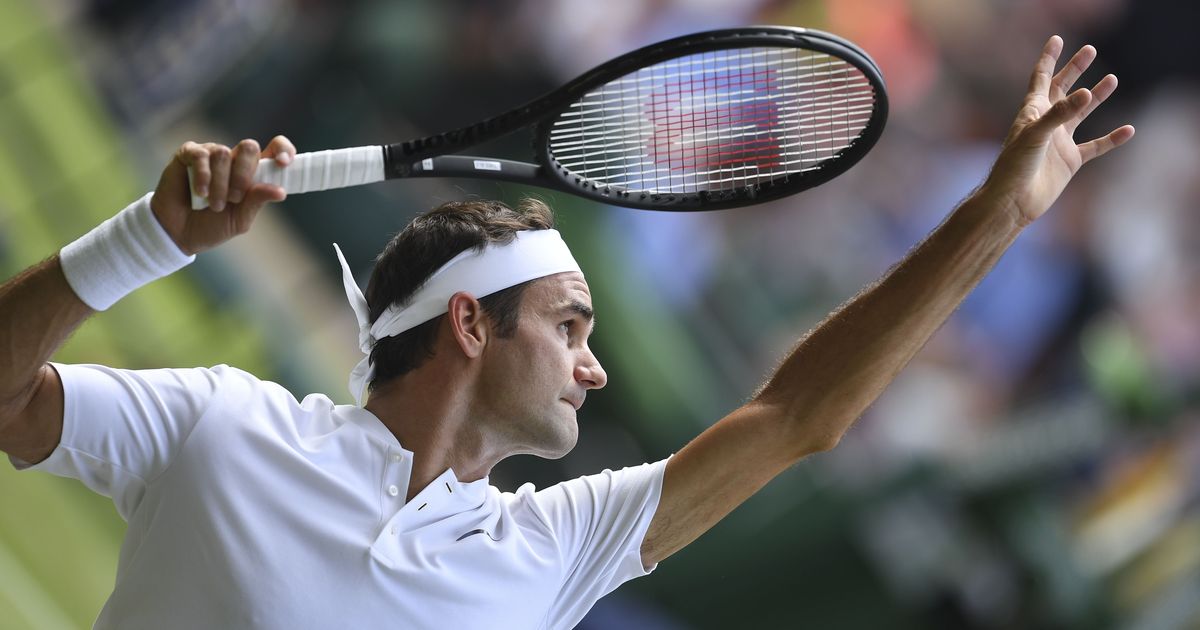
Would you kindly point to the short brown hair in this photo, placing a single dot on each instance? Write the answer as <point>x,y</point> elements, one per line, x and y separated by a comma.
<point>429,242</point>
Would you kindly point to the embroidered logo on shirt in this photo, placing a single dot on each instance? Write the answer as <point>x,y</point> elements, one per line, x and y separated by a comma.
<point>477,531</point>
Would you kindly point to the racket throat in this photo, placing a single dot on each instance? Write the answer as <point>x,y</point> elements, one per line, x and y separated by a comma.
<point>472,167</point>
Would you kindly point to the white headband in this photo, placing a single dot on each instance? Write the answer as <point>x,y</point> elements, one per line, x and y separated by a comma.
<point>532,254</point>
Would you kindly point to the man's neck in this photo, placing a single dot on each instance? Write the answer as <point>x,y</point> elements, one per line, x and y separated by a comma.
<point>432,418</point>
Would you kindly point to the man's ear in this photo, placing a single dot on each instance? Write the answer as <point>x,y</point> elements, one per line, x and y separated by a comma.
<point>468,324</point>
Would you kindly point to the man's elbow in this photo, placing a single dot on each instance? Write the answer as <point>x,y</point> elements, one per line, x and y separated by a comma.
<point>825,441</point>
<point>803,426</point>
<point>11,408</point>
<point>31,422</point>
<point>16,396</point>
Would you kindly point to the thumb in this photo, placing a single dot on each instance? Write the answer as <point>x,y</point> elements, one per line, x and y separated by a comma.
<point>258,196</point>
<point>1061,112</point>
<point>261,194</point>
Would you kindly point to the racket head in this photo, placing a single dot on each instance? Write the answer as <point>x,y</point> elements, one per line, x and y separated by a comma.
<point>714,120</point>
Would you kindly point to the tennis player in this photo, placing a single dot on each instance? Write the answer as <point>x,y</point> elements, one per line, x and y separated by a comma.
<point>249,508</point>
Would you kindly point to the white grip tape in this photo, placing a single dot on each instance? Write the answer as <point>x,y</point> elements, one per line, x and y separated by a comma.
<point>319,170</point>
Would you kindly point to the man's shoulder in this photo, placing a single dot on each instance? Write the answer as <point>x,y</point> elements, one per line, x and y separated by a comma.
<point>239,396</point>
<point>586,492</point>
<point>238,381</point>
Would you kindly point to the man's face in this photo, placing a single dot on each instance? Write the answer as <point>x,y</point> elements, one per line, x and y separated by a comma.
<point>534,382</point>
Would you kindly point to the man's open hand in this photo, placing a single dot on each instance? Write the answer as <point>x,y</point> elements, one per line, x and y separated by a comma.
<point>1039,155</point>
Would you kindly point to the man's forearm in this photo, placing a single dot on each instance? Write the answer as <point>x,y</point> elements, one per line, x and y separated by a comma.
<point>38,311</point>
<point>840,367</point>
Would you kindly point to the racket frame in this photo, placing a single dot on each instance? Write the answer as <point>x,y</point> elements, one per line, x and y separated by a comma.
<point>430,156</point>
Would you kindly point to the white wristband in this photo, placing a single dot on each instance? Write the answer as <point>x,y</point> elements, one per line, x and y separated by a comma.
<point>123,253</point>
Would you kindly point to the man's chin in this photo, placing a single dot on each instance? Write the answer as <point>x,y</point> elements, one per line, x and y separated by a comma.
<point>563,443</point>
<point>559,451</point>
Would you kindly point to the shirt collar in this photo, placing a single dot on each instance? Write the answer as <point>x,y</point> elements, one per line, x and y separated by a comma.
<point>466,495</point>
<point>371,423</point>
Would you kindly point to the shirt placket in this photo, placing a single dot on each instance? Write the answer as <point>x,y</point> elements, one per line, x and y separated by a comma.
<point>394,490</point>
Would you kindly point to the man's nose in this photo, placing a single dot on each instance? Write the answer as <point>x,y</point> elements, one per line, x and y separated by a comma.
<point>590,373</point>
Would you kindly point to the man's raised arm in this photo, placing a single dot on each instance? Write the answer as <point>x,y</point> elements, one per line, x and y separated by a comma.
<point>42,305</point>
<point>842,365</point>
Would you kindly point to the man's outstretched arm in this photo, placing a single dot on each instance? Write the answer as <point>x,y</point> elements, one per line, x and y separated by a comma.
<point>39,308</point>
<point>841,366</point>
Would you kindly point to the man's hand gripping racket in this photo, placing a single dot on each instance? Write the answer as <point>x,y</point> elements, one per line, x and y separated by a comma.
<point>230,177</point>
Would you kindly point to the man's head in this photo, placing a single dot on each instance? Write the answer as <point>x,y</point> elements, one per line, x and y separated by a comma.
<point>420,249</point>
<point>535,363</point>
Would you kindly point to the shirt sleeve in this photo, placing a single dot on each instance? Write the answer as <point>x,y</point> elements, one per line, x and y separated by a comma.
<point>599,523</point>
<point>122,428</point>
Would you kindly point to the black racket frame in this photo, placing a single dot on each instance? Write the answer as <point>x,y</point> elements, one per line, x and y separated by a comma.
<point>428,157</point>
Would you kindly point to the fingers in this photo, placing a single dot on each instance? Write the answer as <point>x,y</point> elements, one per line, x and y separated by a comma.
<point>241,173</point>
<point>226,176</point>
<point>281,149</point>
<point>195,157</point>
<point>1039,82</point>
<point>1066,77</point>
<point>1100,92</point>
<point>219,158</point>
<point>1091,150</point>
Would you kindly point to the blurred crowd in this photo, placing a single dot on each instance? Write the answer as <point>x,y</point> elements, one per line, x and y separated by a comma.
<point>1037,465</point>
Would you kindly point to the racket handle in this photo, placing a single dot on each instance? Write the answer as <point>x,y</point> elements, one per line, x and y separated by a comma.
<point>318,170</point>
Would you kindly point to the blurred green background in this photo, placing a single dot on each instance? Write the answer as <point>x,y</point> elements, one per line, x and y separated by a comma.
<point>1037,466</point>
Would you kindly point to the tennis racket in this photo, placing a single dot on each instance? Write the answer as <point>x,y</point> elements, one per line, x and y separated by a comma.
<point>719,119</point>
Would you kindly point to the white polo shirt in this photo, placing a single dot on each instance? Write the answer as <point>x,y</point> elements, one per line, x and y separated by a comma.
<point>250,509</point>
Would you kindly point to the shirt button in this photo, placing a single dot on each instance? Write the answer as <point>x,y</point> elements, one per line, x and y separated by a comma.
<point>396,458</point>
<point>393,530</point>
<point>393,490</point>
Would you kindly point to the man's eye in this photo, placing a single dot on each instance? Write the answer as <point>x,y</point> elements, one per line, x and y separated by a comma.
<point>566,326</point>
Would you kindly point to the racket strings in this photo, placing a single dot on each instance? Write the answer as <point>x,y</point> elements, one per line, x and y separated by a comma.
<point>817,97</point>
<point>592,137</point>
<point>820,139</point>
<point>715,121</point>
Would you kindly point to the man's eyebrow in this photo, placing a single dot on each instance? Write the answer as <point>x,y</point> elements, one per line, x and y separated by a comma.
<point>581,309</point>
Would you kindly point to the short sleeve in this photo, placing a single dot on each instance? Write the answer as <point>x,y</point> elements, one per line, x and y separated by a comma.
<point>598,523</point>
<point>121,428</point>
